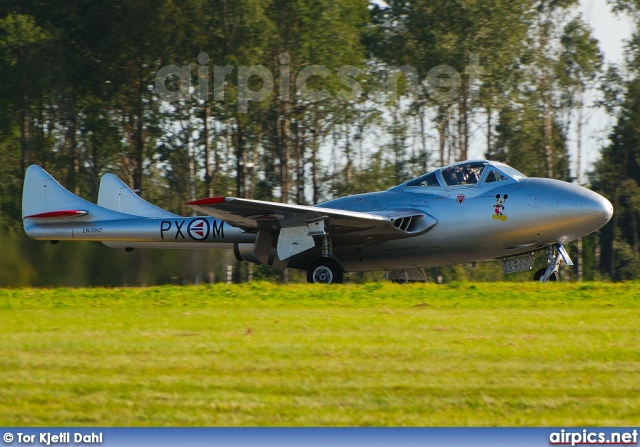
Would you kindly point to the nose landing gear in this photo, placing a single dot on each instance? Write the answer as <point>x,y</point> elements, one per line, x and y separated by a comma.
<point>555,254</point>
<point>540,273</point>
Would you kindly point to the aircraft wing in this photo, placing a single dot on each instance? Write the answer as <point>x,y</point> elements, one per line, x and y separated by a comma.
<point>254,215</point>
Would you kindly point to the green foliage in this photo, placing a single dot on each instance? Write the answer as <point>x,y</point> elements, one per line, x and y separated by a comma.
<point>377,176</point>
<point>17,32</point>
<point>92,264</point>
<point>520,142</point>
<point>617,176</point>
<point>15,271</point>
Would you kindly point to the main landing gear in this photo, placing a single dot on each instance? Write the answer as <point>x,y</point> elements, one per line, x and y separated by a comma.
<point>325,270</point>
<point>555,254</point>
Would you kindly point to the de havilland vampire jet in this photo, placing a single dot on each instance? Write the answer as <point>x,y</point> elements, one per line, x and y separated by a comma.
<point>463,213</point>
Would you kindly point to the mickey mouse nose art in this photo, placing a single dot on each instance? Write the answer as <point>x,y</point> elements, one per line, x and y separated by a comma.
<point>498,208</point>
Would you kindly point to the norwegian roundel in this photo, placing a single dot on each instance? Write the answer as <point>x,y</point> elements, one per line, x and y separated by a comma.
<point>198,229</point>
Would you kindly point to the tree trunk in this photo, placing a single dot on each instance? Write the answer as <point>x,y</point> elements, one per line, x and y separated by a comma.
<point>580,267</point>
<point>25,135</point>
<point>25,115</point>
<point>74,172</point>
<point>285,154</point>
<point>240,141</point>
<point>579,169</point>
<point>208,171</point>
<point>192,172</point>
<point>300,149</point>
<point>596,261</point>
<point>314,167</point>
<point>139,154</point>
<point>348,172</point>
<point>613,237</point>
<point>547,125</point>
<point>139,126</point>
<point>423,139</point>
<point>464,122</point>
<point>254,163</point>
<point>579,134</point>
<point>443,126</point>
<point>489,152</point>
<point>636,242</point>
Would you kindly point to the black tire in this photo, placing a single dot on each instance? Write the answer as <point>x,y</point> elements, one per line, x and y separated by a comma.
<point>325,271</point>
<point>540,273</point>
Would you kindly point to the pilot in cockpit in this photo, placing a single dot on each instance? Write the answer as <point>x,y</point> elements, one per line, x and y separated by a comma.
<point>451,176</point>
<point>471,176</point>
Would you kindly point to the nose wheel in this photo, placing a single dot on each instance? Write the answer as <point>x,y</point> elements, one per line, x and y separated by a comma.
<point>555,254</point>
<point>540,273</point>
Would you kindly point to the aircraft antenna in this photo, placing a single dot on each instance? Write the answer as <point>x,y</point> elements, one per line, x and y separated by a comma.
<point>414,169</point>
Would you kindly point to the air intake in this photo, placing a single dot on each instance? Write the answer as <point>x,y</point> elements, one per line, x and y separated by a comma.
<point>403,223</point>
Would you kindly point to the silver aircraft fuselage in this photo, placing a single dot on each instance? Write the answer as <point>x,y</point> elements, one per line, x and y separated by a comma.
<point>537,213</point>
<point>466,212</point>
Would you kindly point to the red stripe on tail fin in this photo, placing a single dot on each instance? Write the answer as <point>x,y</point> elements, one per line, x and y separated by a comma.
<point>62,214</point>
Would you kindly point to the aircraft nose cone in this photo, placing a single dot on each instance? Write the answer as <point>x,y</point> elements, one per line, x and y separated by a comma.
<point>584,201</point>
<point>567,197</point>
<point>573,210</point>
<point>598,206</point>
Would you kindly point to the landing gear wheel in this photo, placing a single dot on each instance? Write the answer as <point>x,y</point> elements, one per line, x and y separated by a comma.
<point>541,272</point>
<point>325,271</point>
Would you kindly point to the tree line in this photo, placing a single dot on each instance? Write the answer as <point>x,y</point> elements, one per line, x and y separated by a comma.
<point>427,82</point>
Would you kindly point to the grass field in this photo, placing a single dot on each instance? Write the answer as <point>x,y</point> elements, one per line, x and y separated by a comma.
<point>376,354</point>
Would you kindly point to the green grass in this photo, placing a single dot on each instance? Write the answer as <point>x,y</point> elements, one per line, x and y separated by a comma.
<point>506,354</point>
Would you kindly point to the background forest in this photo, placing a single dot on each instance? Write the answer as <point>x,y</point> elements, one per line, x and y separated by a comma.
<point>78,97</point>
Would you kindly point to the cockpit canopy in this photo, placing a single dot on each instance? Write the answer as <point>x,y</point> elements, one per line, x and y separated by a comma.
<point>463,174</point>
<point>467,174</point>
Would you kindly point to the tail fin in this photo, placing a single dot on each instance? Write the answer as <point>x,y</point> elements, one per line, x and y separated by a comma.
<point>115,195</point>
<point>43,198</point>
